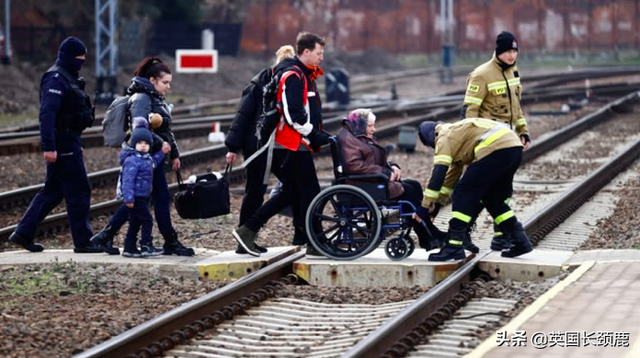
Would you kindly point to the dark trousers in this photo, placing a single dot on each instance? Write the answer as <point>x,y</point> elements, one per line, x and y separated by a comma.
<point>254,188</point>
<point>66,179</point>
<point>413,194</point>
<point>139,217</point>
<point>489,180</point>
<point>161,205</point>
<point>300,185</point>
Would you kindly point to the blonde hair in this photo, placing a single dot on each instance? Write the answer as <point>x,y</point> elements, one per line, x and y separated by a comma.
<point>284,52</point>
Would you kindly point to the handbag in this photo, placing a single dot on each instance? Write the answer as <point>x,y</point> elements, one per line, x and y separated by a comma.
<point>206,198</point>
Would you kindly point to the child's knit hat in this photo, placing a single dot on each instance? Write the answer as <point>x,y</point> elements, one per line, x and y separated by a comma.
<point>140,134</point>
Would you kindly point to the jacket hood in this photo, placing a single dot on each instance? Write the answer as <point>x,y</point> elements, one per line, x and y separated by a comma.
<point>142,84</point>
<point>126,153</point>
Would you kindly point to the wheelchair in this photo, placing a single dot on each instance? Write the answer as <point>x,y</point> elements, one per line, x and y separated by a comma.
<point>351,218</point>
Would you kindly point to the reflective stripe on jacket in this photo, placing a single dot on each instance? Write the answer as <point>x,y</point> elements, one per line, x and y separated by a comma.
<point>495,94</point>
<point>462,143</point>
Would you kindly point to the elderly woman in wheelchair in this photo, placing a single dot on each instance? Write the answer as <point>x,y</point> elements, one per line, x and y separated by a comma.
<point>369,201</point>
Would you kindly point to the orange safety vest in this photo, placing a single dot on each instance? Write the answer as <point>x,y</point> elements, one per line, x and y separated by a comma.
<point>286,136</point>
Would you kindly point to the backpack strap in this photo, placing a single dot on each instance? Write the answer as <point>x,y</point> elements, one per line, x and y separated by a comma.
<point>294,70</point>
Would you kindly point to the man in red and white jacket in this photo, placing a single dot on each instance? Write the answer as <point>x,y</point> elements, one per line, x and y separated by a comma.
<point>298,135</point>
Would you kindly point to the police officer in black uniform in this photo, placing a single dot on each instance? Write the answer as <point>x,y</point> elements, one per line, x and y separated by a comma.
<point>65,111</point>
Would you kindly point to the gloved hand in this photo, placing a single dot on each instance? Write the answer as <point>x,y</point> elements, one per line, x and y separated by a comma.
<point>317,139</point>
<point>525,139</point>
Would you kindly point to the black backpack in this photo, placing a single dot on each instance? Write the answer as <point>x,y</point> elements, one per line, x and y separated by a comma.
<point>270,115</point>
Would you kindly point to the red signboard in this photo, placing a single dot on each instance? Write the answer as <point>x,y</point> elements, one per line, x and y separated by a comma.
<point>193,61</point>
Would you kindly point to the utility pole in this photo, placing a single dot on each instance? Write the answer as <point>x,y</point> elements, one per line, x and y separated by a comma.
<point>106,15</point>
<point>6,56</point>
<point>448,49</point>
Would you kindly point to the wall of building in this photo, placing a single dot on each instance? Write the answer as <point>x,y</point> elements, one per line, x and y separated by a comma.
<point>413,26</point>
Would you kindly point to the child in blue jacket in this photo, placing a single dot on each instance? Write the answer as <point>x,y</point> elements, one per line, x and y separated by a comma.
<point>137,178</point>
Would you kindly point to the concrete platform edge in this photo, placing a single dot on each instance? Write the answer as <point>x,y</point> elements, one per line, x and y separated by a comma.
<point>490,343</point>
<point>238,269</point>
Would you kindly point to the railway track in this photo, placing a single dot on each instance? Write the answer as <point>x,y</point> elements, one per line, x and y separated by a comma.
<point>26,139</point>
<point>57,222</point>
<point>360,83</point>
<point>389,331</point>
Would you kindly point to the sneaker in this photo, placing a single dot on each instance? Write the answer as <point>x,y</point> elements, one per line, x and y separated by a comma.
<point>150,250</point>
<point>135,253</point>
<point>246,238</point>
<point>25,242</point>
<point>260,249</point>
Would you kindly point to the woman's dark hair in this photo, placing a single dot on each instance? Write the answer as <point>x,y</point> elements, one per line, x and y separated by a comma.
<point>151,67</point>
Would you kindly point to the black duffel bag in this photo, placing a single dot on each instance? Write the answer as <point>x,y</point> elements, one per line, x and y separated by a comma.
<point>206,198</point>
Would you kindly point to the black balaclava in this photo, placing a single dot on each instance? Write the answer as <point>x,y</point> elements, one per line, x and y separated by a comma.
<point>69,49</point>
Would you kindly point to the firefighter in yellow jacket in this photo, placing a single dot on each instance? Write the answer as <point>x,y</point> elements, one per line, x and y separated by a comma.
<point>492,154</point>
<point>494,92</point>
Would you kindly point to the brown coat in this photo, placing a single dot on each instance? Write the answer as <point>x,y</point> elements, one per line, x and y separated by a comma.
<point>363,155</point>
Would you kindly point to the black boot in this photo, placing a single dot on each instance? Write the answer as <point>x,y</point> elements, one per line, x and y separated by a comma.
<point>173,247</point>
<point>520,243</point>
<point>453,250</point>
<point>468,244</point>
<point>25,242</point>
<point>105,239</point>
<point>500,240</point>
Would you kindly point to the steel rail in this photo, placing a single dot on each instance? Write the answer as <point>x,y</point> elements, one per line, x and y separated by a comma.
<point>535,81</point>
<point>152,331</point>
<point>57,222</point>
<point>29,141</point>
<point>396,329</point>
<point>394,336</point>
<point>197,107</point>
<point>403,323</point>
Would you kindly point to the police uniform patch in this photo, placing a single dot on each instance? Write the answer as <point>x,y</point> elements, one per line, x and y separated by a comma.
<point>473,88</point>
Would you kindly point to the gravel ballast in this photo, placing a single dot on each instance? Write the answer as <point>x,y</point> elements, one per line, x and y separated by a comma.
<point>62,308</point>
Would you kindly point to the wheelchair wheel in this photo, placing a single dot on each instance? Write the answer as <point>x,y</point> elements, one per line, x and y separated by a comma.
<point>411,243</point>
<point>397,248</point>
<point>343,222</point>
